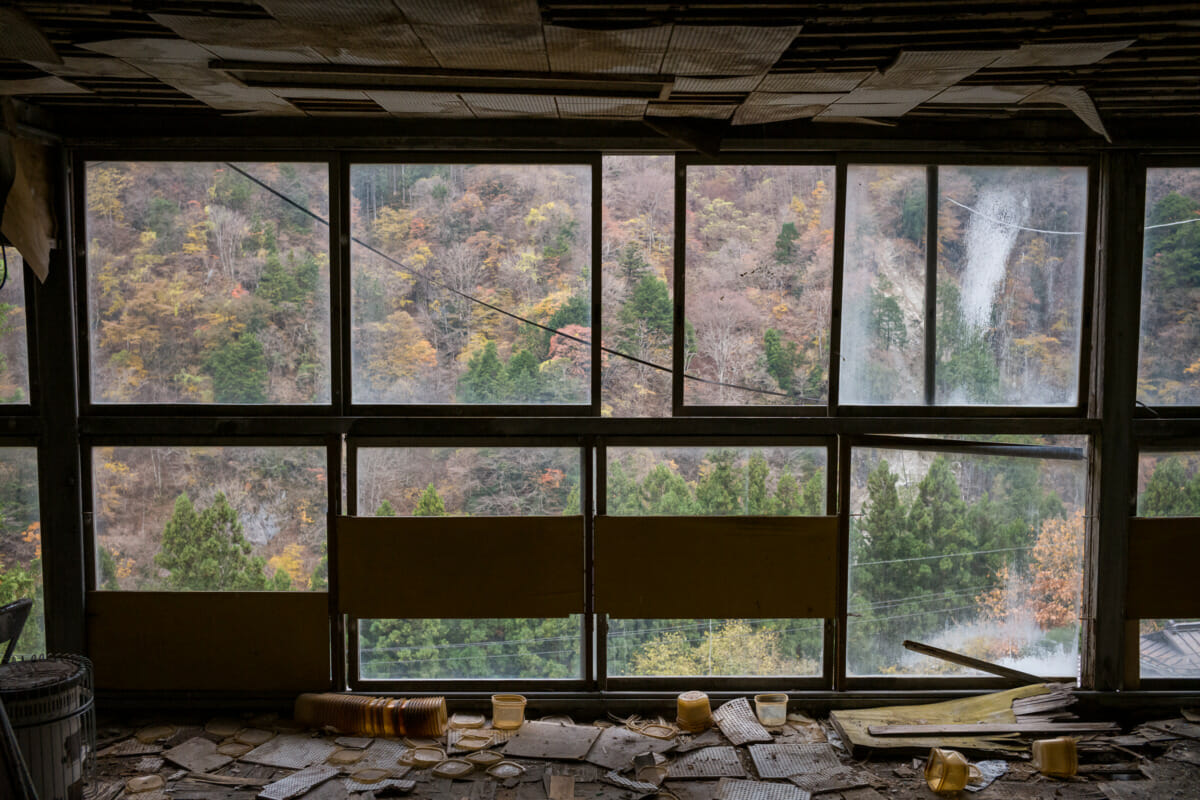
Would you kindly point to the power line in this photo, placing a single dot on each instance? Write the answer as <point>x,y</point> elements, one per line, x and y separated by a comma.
<point>979,213</point>
<point>505,312</point>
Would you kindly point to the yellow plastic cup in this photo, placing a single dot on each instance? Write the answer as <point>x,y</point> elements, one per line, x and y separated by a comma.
<point>508,711</point>
<point>1057,758</point>
<point>949,770</point>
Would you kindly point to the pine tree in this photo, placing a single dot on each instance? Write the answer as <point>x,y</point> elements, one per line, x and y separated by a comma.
<point>719,492</point>
<point>665,493</point>
<point>781,359</point>
<point>277,284</point>
<point>787,500</point>
<point>785,242</point>
<point>757,498</point>
<point>430,504</point>
<point>1167,492</point>
<point>522,378</point>
<point>646,315</point>
<point>239,371</point>
<point>484,380</point>
<point>385,509</point>
<point>812,500</point>
<point>281,581</point>
<point>206,551</point>
<point>632,265</point>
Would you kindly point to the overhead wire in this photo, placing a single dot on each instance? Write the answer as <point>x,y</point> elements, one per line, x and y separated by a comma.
<point>505,312</point>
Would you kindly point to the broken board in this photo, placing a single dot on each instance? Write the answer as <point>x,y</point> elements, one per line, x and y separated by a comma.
<point>551,740</point>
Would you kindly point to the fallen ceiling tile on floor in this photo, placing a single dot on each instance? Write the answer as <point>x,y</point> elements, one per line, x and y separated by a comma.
<point>786,760</point>
<point>736,789</point>
<point>638,50</point>
<point>739,724</point>
<point>1059,54</point>
<point>551,740</point>
<point>294,751</point>
<point>707,762</point>
<point>297,783</point>
<point>616,747</point>
<point>197,755</point>
<point>518,48</point>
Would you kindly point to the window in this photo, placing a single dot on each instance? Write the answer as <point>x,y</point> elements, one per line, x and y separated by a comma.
<point>21,542</point>
<point>1168,370</point>
<point>208,282</point>
<point>977,553</point>
<point>715,481</point>
<point>1008,283</point>
<point>14,348</point>
<point>759,284</point>
<point>210,518</point>
<point>461,274</point>
<point>469,482</point>
<point>638,267</point>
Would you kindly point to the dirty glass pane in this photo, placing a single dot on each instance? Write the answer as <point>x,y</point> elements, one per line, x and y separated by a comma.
<point>21,543</point>
<point>718,647</point>
<point>479,482</point>
<point>1170,648</point>
<point>1010,284</point>
<point>716,481</point>
<point>470,648</point>
<point>1168,484</point>
<point>205,287</point>
<point>973,553</point>
<point>14,347</point>
<point>210,518</point>
<point>1168,368</point>
<point>450,266</point>
<point>759,284</point>
<point>883,291</point>
<point>468,481</point>
<point>638,237</point>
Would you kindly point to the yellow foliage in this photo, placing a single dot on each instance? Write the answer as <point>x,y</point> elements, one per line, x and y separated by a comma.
<point>780,311</point>
<point>291,561</point>
<point>392,226</point>
<point>104,188</point>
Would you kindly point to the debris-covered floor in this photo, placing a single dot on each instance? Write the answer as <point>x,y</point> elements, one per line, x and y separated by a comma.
<point>559,758</point>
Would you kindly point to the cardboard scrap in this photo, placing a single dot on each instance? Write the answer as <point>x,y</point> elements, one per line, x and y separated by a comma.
<point>739,724</point>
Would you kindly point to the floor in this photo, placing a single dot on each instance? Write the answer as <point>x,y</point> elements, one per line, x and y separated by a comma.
<point>243,758</point>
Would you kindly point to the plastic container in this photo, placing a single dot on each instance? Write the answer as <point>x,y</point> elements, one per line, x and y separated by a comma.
<point>771,709</point>
<point>508,711</point>
<point>949,770</point>
<point>693,713</point>
<point>373,716</point>
<point>1056,757</point>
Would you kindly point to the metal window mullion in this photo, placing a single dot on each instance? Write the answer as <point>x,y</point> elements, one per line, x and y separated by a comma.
<point>339,284</point>
<point>679,259</point>
<point>841,190</point>
<point>843,584</point>
<point>599,491</point>
<point>597,260</point>
<point>333,494</point>
<point>931,263</point>
<point>590,644</point>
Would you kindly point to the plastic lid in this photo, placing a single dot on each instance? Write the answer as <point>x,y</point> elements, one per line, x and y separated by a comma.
<point>427,756</point>
<point>453,768</point>
<point>506,769</point>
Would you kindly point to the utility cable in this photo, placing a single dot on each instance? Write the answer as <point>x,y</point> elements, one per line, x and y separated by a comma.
<point>499,310</point>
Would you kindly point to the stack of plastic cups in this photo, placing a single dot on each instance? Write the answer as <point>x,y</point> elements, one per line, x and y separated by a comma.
<point>373,716</point>
<point>693,712</point>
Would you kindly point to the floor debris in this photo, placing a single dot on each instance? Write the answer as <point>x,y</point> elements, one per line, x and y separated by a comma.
<point>552,740</point>
<point>707,762</point>
<point>197,755</point>
<point>739,723</point>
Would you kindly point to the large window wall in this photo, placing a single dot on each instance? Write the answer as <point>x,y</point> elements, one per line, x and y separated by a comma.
<point>897,351</point>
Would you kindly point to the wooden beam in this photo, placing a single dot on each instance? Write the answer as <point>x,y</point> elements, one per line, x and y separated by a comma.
<point>974,663</point>
<point>994,728</point>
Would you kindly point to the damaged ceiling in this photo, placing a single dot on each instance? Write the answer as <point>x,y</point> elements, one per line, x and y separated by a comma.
<point>796,64</point>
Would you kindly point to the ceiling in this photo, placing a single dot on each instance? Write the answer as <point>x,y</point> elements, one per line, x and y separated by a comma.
<point>1092,69</point>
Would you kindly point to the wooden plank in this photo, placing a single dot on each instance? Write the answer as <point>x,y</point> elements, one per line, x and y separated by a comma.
<point>1158,584</point>
<point>992,729</point>
<point>1022,678</point>
<point>720,567</point>
<point>209,640</point>
<point>460,567</point>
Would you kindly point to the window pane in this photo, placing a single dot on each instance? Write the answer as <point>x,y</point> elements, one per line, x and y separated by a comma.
<point>468,481</point>
<point>21,543</point>
<point>14,347</point>
<point>1010,284</point>
<point>973,553</point>
<point>725,647</point>
<point>1168,371</point>
<point>883,290</point>
<point>438,249</point>
<point>470,648</point>
<point>210,518</point>
<point>716,481</point>
<point>759,284</point>
<point>1170,648</point>
<point>639,212</point>
<point>204,287</point>
<point>1168,485</point>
